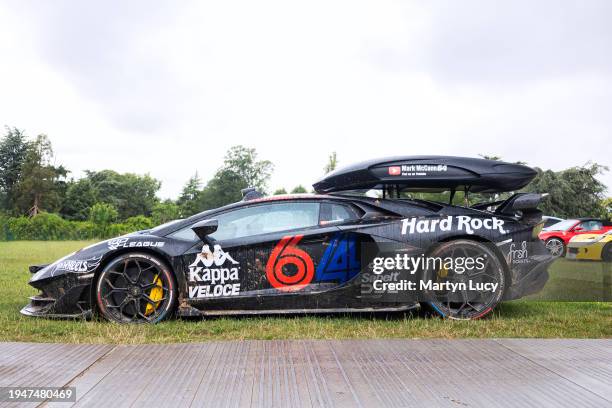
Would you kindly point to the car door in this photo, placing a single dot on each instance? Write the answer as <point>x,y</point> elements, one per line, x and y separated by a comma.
<point>262,256</point>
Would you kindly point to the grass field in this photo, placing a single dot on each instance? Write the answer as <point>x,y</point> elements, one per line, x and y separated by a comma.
<point>512,319</point>
<point>578,281</point>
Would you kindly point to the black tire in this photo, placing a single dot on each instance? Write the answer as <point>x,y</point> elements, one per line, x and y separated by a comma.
<point>606,252</point>
<point>467,305</point>
<point>555,246</point>
<point>136,288</point>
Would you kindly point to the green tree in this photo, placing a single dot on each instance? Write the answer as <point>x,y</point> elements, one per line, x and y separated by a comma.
<point>13,149</point>
<point>240,170</point>
<point>280,191</point>
<point>41,183</point>
<point>165,211</point>
<point>103,214</point>
<point>131,194</point>
<point>606,208</point>
<point>188,201</point>
<point>80,196</point>
<point>488,157</point>
<point>498,158</point>
<point>243,162</point>
<point>224,188</point>
<point>332,163</point>
<point>574,192</point>
<point>138,223</point>
<point>299,190</point>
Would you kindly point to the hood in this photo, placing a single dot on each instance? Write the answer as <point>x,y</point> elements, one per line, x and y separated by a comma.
<point>86,260</point>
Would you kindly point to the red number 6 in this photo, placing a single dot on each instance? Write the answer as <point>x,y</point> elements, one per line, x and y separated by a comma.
<point>287,253</point>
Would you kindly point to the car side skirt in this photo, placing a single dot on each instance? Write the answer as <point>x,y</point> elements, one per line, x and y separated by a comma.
<point>303,311</point>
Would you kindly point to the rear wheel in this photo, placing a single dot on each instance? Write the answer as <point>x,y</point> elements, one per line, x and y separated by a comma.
<point>465,301</point>
<point>555,246</point>
<point>136,288</point>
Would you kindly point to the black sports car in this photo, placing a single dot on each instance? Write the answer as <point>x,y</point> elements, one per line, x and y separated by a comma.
<point>336,250</point>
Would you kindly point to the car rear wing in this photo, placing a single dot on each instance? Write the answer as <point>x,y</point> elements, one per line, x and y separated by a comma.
<point>523,206</point>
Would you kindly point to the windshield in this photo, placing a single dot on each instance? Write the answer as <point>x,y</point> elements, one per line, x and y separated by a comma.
<point>562,226</point>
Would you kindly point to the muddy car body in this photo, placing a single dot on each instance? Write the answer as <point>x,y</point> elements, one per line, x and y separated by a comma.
<point>308,253</point>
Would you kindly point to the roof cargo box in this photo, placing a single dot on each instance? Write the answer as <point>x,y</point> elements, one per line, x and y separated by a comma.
<point>428,173</point>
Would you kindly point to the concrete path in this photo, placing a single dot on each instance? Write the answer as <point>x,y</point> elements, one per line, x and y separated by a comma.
<point>319,373</point>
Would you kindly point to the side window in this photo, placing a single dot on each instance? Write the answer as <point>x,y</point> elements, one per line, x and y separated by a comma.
<point>267,218</point>
<point>332,212</point>
<point>592,225</point>
<point>260,219</point>
<point>550,222</point>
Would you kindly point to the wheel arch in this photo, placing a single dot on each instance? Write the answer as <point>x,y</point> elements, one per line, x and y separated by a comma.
<point>109,256</point>
<point>494,247</point>
<point>564,243</point>
<point>481,239</point>
<point>555,236</point>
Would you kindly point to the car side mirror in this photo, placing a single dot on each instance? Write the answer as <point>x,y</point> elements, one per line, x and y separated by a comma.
<point>204,228</point>
<point>578,229</point>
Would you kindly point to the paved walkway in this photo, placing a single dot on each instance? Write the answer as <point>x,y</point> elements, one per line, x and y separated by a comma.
<point>350,373</point>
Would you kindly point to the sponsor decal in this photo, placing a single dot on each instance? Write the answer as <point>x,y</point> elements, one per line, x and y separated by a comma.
<point>463,223</point>
<point>395,171</point>
<point>74,265</point>
<point>519,255</point>
<point>408,170</point>
<point>216,273</point>
<point>116,243</point>
<point>339,262</point>
<point>284,254</point>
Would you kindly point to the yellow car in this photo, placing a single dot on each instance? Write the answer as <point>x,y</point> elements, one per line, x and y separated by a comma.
<point>594,247</point>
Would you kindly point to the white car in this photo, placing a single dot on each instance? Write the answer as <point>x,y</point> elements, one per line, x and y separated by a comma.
<point>550,221</point>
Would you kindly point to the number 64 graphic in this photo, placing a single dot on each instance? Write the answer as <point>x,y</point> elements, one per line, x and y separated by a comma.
<point>284,253</point>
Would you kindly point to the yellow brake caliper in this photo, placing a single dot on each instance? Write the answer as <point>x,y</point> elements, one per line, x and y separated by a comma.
<point>442,273</point>
<point>156,294</point>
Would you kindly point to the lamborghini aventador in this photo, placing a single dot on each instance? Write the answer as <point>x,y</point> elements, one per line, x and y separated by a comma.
<point>318,253</point>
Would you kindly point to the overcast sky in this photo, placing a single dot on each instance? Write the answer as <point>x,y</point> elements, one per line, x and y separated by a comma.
<point>167,87</point>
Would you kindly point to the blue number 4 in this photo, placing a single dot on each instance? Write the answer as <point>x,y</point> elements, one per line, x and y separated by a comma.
<point>339,262</point>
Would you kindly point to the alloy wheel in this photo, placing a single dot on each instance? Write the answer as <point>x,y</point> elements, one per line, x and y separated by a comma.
<point>466,303</point>
<point>135,288</point>
<point>555,246</point>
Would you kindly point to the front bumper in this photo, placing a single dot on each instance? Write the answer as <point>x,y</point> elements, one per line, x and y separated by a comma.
<point>585,251</point>
<point>43,307</point>
<point>63,296</point>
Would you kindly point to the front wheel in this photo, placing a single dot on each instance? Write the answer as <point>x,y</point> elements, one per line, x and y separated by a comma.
<point>136,288</point>
<point>460,292</point>
<point>555,246</point>
<point>606,252</point>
